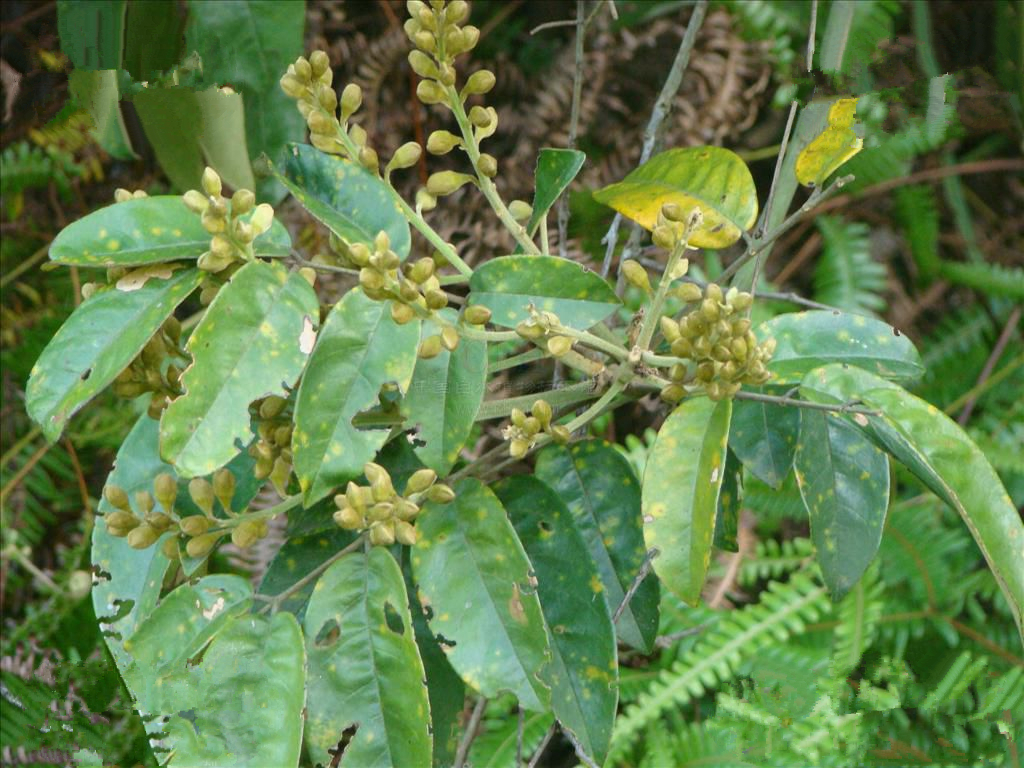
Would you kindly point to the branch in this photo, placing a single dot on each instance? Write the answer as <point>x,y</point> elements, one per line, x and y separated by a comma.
<point>645,568</point>
<point>471,730</point>
<point>275,602</point>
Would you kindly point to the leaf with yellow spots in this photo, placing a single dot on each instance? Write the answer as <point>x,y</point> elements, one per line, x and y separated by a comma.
<point>300,555</point>
<point>100,339</point>
<point>713,179</point>
<point>468,566</point>
<point>598,485</point>
<point>147,230</point>
<point>832,148</point>
<point>359,350</point>
<point>944,458</point>
<point>807,340</point>
<point>584,669</point>
<point>247,346</point>
<point>364,667</point>
<point>844,483</point>
<point>730,501</point>
<point>682,481</point>
<point>763,436</point>
<point>509,285</point>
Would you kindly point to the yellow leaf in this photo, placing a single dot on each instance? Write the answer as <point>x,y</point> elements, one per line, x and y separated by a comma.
<point>833,147</point>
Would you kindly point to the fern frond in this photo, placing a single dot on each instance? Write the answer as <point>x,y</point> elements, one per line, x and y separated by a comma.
<point>773,559</point>
<point>495,747</point>
<point>990,279</point>
<point>772,506</point>
<point>964,671</point>
<point>783,611</point>
<point>917,211</point>
<point>846,275</point>
<point>1005,694</point>
<point>858,615</point>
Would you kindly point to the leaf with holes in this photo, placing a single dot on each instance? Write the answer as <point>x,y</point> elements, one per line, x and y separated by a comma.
<point>584,668</point>
<point>763,436</point>
<point>556,168</point>
<point>364,668</point>
<point>148,230</point>
<point>345,197</point>
<point>252,342</point>
<point>509,285</point>
<point>598,486</point>
<point>832,147</point>
<point>96,343</point>
<point>713,179</point>
<point>682,482</point>
<point>444,397</point>
<point>844,482</point>
<point>360,349</point>
<point>474,582</point>
<point>806,340</point>
<point>943,457</point>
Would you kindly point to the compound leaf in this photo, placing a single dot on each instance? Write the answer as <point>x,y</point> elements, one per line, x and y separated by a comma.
<point>364,668</point>
<point>359,350</point>
<point>508,286</point>
<point>474,583</point>
<point>682,481</point>
<point>713,179</point>
<point>100,339</point>
<point>601,491</point>
<point>252,342</point>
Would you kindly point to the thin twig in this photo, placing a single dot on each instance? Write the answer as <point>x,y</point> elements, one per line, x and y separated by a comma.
<point>667,641</point>
<point>990,364</point>
<point>645,568</point>
<point>471,730</point>
<point>848,407</point>
<point>519,737</point>
<point>574,124</point>
<point>661,109</point>
<point>542,746</point>
<point>811,34</point>
<point>276,600</point>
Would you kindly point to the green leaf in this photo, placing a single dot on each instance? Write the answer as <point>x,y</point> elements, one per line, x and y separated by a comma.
<point>598,486</point>
<point>96,343</point>
<point>149,230</point>
<point>713,179</point>
<point>252,342</point>
<point>190,129</point>
<point>445,689</point>
<point>359,350</point>
<point>249,44</point>
<point>844,482</point>
<point>153,39</point>
<point>944,458</point>
<point>239,700</point>
<point>364,668</point>
<point>508,286</point>
<point>730,500</point>
<point>556,168</point>
<point>497,745</point>
<point>682,481</point>
<point>584,669</point>
<point>807,340</point>
<point>474,583</point>
<point>91,34</point>
<point>128,580</point>
<point>763,436</point>
<point>300,555</point>
<point>344,196</point>
<point>444,397</point>
<point>97,92</point>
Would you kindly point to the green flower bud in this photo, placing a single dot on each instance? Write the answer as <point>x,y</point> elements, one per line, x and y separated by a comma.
<point>170,548</point>
<point>450,338</point>
<point>327,99</point>
<point>559,345</point>
<point>202,494</point>
<point>669,328</point>
<point>349,519</point>
<point>271,406</point>
<point>430,347</point>
<point>439,493</point>
<point>143,502</point>
<point>196,201</point>
<point>351,100</point>
<point>469,36</point>
<point>477,314</point>
<point>213,222</point>
<point>224,487</point>
<point>673,393</point>
<point>673,212</point>
<point>194,525</point>
<point>402,313</point>
<point>518,447</point>
<point>636,275</point>
<point>442,142</point>
<point>165,489</point>
<point>292,86</point>
<point>142,537</point>
<point>560,434</point>
<point>429,92</point>
<point>713,291</point>
<point>710,310</point>
<point>677,372</point>
<point>479,117</point>
<point>405,510</point>
<point>211,182</point>
<point>120,523</point>
<point>664,237</point>
<point>158,521</point>
<point>242,202</point>
<point>445,182</point>
<point>383,534</point>
<point>541,410</point>
<point>245,534</point>
<point>456,12</point>
<point>521,210</point>
<point>370,279</point>
<point>436,299</point>
<point>380,511</point>
<point>742,302</point>
<point>116,497</point>
<point>425,201</point>
<point>424,40</point>
<point>517,417</point>
<point>201,546</point>
<point>368,159</point>
<point>303,69</point>
<point>412,27</point>
<point>319,62</point>
<point>689,292</point>
<point>531,426</point>
<point>420,481</point>
<point>481,81</point>
<point>529,330</point>
<point>740,327</point>
<point>406,155</point>
<point>262,218</point>
<point>422,64</point>
<point>405,533</point>
<point>321,123</point>
<point>738,348</point>
<point>488,165</point>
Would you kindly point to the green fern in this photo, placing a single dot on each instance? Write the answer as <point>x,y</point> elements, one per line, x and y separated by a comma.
<point>990,279</point>
<point>917,212</point>
<point>846,276</point>
<point>858,615</point>
<point>496,745</point>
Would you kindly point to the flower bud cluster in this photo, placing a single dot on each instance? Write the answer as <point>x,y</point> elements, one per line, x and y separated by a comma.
<point>717,341</point>
<point>122,195</point>
<point>232,227</point>
<point>524,430</point>
<point>273,446</point>
<point>155,514</point>
<point>148,372</point>
<point>542,329</point>
<point>380,510</point>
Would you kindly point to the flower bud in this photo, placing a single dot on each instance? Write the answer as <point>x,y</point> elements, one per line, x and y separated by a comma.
<point>202,494</point>
<point>487,165</point>
<point>120,523</point>
<point>211,182</point>
<point>689,292</point>
<point>383,534</point>
<point>348,518</point>
<point>368,159</point>
<point>442,142</point>
<point>673,212</point>
<point>424,40</point>
<point>303,69</point>
<point>245,534</point>
<point>742,302</point>
<point>529,330</point>
<point>292,86</point>
<point>560,434</point>
<point>636,275</point>
<point>169,548</point>
<point>710,310</point>
<point>445,182</point>
<point>201,546</point>
<point>559,345</point>
<point>436,299</point>
<point>262,218</point>
<point>477,314</point>
<point>439,493</point>
<point>327,99</point>
<point>196,201</point>
<point>664,237</point>
<point>406,155</point>
<point>429,92</point>
<point>481,81</point>
<point>194,525</point>
<point>242,202</point>
<point>405,533</point>
<point>379,512</point>
<point>165,488</point>
<point>479,117</point>
<point>319,62</point>
<point>351,100</point>
<point>116,497</point>
<point>518,447</point>
<point>143,502</point>
<point>541,410</point>
<point>158,521</point>
<point>450,338</point>
<point>142,537</point>
<point>430,347</point>
<point>520,210</point>
<point>673,393</point>
<point>422,64</point>
<point>420,481</point>
<point>713,291</point>
<point>402,313</point>
<point>669,328</point>
<point>271,406</point>
<point>224,487</point>
<point>213,222</point>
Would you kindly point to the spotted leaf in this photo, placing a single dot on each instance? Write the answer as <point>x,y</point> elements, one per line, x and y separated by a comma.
<point>713,179</point>
<point>364,668</point>
<point>730,501</point>
<point>763,436</point>
<point>301,554</point>
<point>807,340</point>
<point>601,491</point>
<point>832,147</point>
<point>556,168</point>
<point>474,582</point>
<point>102,336</point>
<point>247,346</point>
<point>682,481</point>
<point>942,456</point>
<point>509,285</point>
<point>148,230</point>
<point>359,350</point>
<point>352,202</point>
<point>444,397</point>
<point>844,483</point>
<point>584,668</point>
